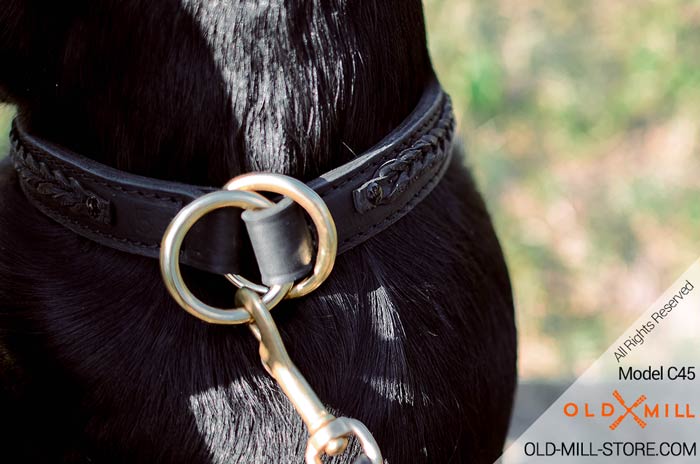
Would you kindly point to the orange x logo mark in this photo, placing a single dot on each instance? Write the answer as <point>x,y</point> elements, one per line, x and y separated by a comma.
<point>628,410</point>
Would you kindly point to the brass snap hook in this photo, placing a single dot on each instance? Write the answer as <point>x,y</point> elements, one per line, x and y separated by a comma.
<point>328,434</point>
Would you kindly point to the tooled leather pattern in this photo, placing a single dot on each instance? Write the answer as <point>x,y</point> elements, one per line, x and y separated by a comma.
<point>57,187</point>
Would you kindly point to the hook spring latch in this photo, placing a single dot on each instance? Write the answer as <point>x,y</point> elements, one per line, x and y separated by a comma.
<point>327,434</point>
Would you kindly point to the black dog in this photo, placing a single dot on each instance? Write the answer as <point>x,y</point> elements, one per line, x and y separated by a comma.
<point>413,333</point>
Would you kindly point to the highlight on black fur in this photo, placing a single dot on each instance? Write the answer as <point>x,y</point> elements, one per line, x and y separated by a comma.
<point>413,333</point>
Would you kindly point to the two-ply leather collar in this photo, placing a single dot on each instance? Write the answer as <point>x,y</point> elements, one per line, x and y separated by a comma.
<point>130,213</point>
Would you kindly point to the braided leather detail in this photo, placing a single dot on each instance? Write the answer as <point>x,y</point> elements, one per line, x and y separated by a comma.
<point>39,179</point>
<point>393,177</point>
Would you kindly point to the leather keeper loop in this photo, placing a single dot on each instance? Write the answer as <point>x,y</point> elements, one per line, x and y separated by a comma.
<point>281,242</point>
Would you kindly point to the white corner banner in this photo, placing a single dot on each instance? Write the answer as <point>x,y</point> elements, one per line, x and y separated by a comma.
<point>639,402</point>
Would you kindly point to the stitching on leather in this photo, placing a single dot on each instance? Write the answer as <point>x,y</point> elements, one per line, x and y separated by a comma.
<point>409,205</point>
<point>52,211</point>
<point>81,175</point>
<point>421,130</point>
<point>437,115</point>
<point>440,113</point>
<point>55,213</point>
<point>115,187</point>
<point>397,149</point>
<point>411,202</point>
<point>396,175</point>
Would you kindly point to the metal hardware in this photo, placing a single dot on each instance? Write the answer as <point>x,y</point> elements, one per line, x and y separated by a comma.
<point>170,254</point>
<point>343,427</point>
<point>316,209</point>
<point>328,434</point>
<point>241,282</point>
<point>240,192</point>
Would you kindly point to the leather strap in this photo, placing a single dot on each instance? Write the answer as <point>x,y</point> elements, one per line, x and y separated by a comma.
<point>120,210</point>
<point>130,212</point>
<point>281,242</point>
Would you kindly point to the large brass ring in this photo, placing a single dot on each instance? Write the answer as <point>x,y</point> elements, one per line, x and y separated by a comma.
<point>316,209</point>
<point>170,256</point>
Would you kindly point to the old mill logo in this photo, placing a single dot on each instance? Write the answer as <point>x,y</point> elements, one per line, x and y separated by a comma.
<point>639,411</point>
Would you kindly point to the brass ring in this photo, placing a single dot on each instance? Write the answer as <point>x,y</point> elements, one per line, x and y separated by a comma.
<point>170,256</point>
<point>316,209</point>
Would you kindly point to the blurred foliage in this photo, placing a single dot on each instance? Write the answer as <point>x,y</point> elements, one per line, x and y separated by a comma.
<point>579,118</point>
<point>6,113</point>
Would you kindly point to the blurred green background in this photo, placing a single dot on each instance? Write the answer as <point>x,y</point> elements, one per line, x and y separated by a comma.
<point>6,113</point>
<point>580,122</point>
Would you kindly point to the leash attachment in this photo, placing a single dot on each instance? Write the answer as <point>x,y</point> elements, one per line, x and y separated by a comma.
<point>237,193</point>
<point>327,434</point>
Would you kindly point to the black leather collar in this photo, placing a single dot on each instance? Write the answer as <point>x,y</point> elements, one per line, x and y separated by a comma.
<point>128,212</point>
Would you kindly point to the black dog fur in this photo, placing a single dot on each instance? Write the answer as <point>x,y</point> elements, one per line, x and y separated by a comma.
<point>413,333</point>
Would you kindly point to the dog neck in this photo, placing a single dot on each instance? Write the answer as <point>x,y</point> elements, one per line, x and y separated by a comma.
<point>205,90</point>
